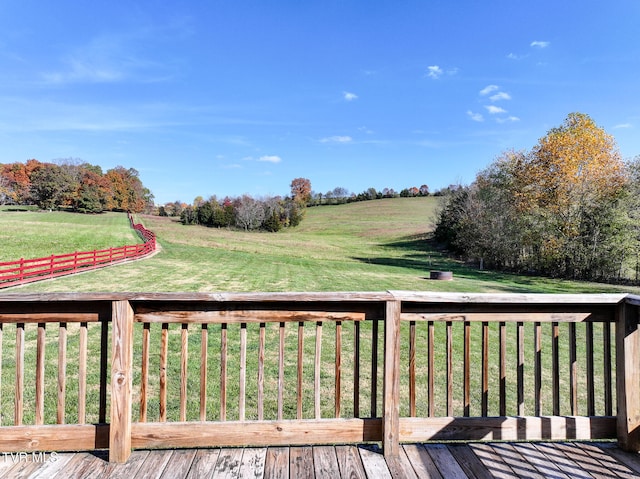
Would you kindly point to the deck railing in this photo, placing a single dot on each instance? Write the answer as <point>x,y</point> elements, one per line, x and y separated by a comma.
<point>24,271</point>
<point>123,371</point>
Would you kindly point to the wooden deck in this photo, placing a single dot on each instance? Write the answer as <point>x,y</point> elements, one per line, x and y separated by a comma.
<point>461,460</point>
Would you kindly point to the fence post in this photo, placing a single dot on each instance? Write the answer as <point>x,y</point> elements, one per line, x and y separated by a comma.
<point>21,269</point>
<point>391,390</point>
<point>121,382</point>
<point>628,376</point>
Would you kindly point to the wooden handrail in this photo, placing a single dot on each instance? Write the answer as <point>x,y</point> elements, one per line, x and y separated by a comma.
<point>205,370</point>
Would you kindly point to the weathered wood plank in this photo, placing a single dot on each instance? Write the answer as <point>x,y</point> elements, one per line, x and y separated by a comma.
<point>228,463</point>
<point>248,316</point>
<point>516,461</point>
<point>566,464</point>
<point>154,464</point>
<point>121,382</point>
<point>545,465</point>
<point>70,437</point>
<point>48,469</point>
<point>277,463</point>
<point>350,462</point>
<point>128,470</point>
<point>180,464</point>
<point>445,462</point>
<point>492,461</point>
<point>507,317</point>
<point>400,467</point>
<point>421,461</point>
<point>374,463</point>
<point>629,459</point>
<point>590,464</point>
<point>204,462</point>
<point>253,462</point>
<point>608,462</point>
<point>301,462</point>
<point>51,317</point>
<point>264,433</point>
<point>469,462</point>
<point>325,462</point>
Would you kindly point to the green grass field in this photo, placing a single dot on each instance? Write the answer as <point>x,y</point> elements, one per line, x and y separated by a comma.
<point>368,246</point>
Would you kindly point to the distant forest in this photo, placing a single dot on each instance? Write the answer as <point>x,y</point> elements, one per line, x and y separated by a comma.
<point>73,185</point>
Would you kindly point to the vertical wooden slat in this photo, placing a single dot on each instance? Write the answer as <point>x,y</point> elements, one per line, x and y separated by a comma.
<point>19,392</point>
<point>299,387</point>
<point>62,373</point>
<point>485,369</point>
<point>537,340</point>
<point>261,346</point>
<point>121,382</point>
<point>391,390</point>
<point>591,407</point>
<point>449,370</point>
<point>40,350</point>
<point>144,371</point>
<point>204,361</point>
<point>316,371</point>
<point>503,368</point>
<point>184,355</point>
<point>223,372</point>
<point>338,368</point>
<point>573,370</point>
<point>608,392</point>
<point>520,380</point>
<point>628,377</point>
<point>466,386</point>
<point>374,368</point>
<point>412,369</point>
<point>243,371</point>
<point>82,374</point>
<point>281,372</point>
<point>356,369</point>
<point>164,351</point>
<point>104,366</point>
<point>555,368</point>
<point>430,368</point>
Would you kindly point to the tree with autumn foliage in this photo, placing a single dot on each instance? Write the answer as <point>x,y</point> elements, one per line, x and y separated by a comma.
<point>301,190</point>
<point>557,210</point>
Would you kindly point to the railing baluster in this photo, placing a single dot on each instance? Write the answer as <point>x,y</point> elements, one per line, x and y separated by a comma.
<point>204,349</point>
<point>356,369</point>
<point>316,371</point>
<point>164,349</point>
<point>520,380</point>
<point>374,368</point>
<point>431,369</point>
<point>261,348</point>
<point>573,370</point>
<point>466,386</point>
<point>82,374</point>
<point>485,369</point>
<point>449,370</point>
<point>412,369</point>
<point>144,371</point>
<point>223,372</point>
<point>19,392</point>
<point>184,355</point>
<point>40,355</point>
<point>338,368</point>
<point>62,372</point>
<point>591,407</point>
<point>608,390</point>
<point>281,371</point>
<point>299,387</point>
<point>243,371</point>
<point>537,341</point>
<point>503,368</point>
<point>555,368</point>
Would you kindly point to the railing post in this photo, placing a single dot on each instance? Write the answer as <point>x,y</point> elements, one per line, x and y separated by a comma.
<point>628,376</point>
<point>121,382</point>
<point>391,391</point>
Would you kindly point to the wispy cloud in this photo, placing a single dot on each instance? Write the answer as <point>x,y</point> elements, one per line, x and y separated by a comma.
<point>623,126</point>
<point>509,119</point>
<point>270,159</point>
<point>489,89</point>
<point>434,71</point>
<point>349,96</point>
<point>514,56</point>
<point>494,110</point>
<point>336,139</point>
<point>500,96</point>
<point>475,116</point>
<point>540,44</point>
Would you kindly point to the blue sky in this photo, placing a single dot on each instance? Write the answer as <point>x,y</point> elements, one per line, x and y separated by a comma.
<point>234,97</point>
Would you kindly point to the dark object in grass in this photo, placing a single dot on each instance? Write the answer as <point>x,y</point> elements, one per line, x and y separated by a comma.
<point>441,275</point>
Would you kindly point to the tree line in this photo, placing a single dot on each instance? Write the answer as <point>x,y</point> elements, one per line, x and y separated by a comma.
<point>247,213</point>
<point>73,185</point>
<point>568,208</point>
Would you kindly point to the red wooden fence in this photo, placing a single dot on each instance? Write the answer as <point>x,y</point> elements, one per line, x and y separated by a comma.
<point>24,271</point>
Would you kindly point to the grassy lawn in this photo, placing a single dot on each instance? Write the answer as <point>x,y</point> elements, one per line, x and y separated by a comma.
<point>368,246</point>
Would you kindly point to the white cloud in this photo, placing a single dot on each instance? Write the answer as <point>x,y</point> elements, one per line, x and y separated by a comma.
<point>513,56</point>
<point>494,110</point>
<point>540,44</point>
<point>434,71</point>
<point>349,96</point>
<point>489,89</point>
<point>475,116</point>
<point>500,96</point>
<point>623,125</point>
<point>270,159</point>
<point>509,119</point>
<point>336,139</point>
